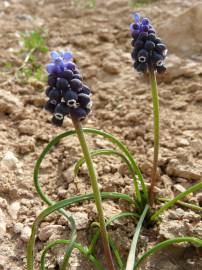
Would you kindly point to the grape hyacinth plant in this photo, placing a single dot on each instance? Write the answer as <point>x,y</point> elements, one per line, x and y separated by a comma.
<point>69,96</point>
<point>149,54</point>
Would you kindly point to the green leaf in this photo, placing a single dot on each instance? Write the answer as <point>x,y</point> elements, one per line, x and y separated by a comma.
<point>165,244</point>
<point>83,250</point>
<point>58,207</point>
<point>131,257</point>
<point>172,202</point>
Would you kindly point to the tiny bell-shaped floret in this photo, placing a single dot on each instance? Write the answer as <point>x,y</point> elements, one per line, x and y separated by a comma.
<point>76,85</point>
<point>63,85</point>
<point>142,56</point>
<point>83,100</point>
<point>62,108</point>
<point>52,79</point>
<point>50,106</point>
<point>71,98</point>
<point>85,90</point>
<point>57,120</point>
<point>157,59</point>
<point>67,74</point>
<point>55,94</point>
<point>78,113</point>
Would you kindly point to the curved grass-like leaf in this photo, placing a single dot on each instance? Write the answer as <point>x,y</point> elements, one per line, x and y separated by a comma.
<point>112,244</point>
<point>124,149</point>
<point>187,205</point>
<point>56,207</point>
<point>108,136</point>
<point>166,244</point>
<point>117,254</point>
<point>131,257</point>
<point>106,152</point>
<point>45,198</point>
<point>180,196</point>
<point>99,152</point>
<point>83,250</point>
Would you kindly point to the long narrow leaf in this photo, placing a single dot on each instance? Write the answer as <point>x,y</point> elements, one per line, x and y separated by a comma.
<point>131,257</point>
<point>106,152</point>
<point>83,250</point>
<point>108,136</point>
<point>112,244</point>
<point>115,153</point>
<point>165,244</point>
<point>57,206</point>
<point>191,206</point>
<point>175,200</point>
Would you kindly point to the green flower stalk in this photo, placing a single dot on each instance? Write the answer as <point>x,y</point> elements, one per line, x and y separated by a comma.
<point>96,192</point>
<point>154,90</point>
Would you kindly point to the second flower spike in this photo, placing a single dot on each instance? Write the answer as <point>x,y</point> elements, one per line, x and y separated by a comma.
<point>148,49</point>
<point>67,93</point>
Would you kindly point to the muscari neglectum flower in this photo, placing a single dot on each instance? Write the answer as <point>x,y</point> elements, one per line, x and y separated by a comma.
<point>148,49</point>
<point>66,92</point>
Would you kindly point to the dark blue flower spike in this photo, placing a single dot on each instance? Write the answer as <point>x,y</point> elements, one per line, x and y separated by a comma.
<point>67,93</point>
<point>148,50</point>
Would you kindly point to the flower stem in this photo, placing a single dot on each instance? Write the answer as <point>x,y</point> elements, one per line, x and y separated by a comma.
<point>96,192</point>
<point>156,134</point>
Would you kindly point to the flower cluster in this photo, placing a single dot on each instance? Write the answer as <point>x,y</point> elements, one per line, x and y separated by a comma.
<point>148,49</point>
<point>67,93</point>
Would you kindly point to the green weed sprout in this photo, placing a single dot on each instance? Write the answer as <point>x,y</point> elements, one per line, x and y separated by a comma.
<point>69,96</point>
<point>33,43</point>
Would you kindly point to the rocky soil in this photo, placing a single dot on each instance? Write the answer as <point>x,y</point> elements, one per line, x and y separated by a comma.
<point>100,41</point>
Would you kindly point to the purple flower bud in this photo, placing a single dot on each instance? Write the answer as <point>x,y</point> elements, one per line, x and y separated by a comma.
<point>52,79</point>
<point>54,55</point>
<point>143,36</point>
<point>83,100</point>
<point>134,53</point>
<point>62,108</point>
<point>157,59</point>
<point>85,90</point>
<point>157,40</point>
<point>135,34</point>
<point>62,85</point>
<point>70,65</point>
<point>160,47</point>
<point>152,37</point>
<point>71,98</point>
<point>137,17</point>
<point>145,21</point>
<point>55,94</point>
<point>142,67</point>
<point>78,76</point>
<point>145,28</point>
<point>149,45</point>
<point>68,75</point>
<point>78,113</point>
<point>151,31</point>
<point>51,68</point>
<point>57,120</point>
<point>49,106</point>
<point>48,91</point>
<point>66,55</point>
<point>76,85</point>
<point>139,44</point>
<point>161,69</point>
<point>142,56</point>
